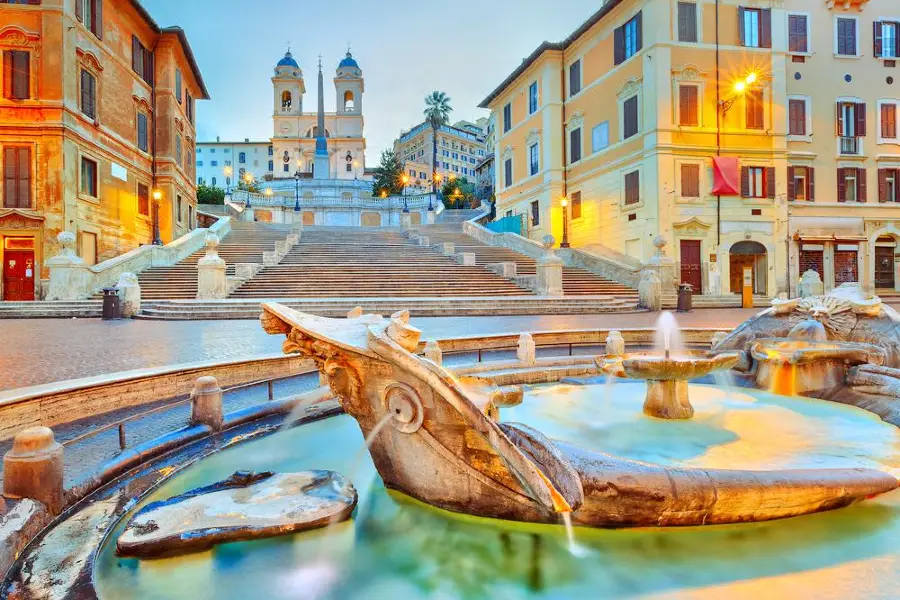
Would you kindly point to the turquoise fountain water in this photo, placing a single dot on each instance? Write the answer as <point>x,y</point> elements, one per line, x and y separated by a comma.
<point>395,547</point>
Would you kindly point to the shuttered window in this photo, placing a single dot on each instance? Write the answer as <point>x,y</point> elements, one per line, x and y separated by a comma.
<point>888,184</point>
<point>17,177</point>
<point>507,118</point>
<point>535,213</point>
<point>189,107</point>
<point>88,94</point>
<point>846,37</point>
<point>143,196</point>
<point>628,39</point>
<point>16,74</point>
<point>889,121</point>
<point>632,187</point>
<point>688,105</point>
<point>755,109</point>
<point>687,22</point>
<point>801,183</point>
<point>576,205</point>
<point>507,173</point>
<point>574,78</point>
<point>851,185</point>
<point>755,27</point>
<point>798,36</point>
<point>797,117</point>
<point>630,117</point>
<point>575,145</point>
<point>178,85</point>
<point>690,181</point>
<point>887,39</point>
<point>141,60</point>
<point>851,119</point>
<point>88,177</point>
<point>142,133</point>
<point>758,182</point>
<point>90,12</point>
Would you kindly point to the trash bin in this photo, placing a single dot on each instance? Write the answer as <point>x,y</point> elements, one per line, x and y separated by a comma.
<point>112,308</point>
<point>685,298</point>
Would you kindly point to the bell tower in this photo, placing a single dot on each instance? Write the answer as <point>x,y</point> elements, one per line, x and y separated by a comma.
<point>348,86</point>
<point>287,95</point>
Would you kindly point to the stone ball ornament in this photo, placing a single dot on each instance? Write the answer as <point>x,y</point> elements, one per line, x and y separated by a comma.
<point>548,241</point>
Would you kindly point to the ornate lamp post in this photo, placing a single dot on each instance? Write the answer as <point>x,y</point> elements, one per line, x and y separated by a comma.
<point>228,171</point>
<point>405,180</point>
<point>157,196</point>
<point>355,169</point>
<point>565,206</point>
<point>248,179</point>
<point>297,191</point>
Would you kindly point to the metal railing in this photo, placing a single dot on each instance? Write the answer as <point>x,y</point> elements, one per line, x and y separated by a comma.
<point>850,145</point>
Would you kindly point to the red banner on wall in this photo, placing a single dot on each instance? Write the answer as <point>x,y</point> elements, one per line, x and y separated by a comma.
<point>726,176</point>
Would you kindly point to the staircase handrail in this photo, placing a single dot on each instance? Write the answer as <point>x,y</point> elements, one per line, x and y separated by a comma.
<point>411,201</point>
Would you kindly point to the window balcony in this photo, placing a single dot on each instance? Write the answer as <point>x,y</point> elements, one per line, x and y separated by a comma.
<point>850,146</point>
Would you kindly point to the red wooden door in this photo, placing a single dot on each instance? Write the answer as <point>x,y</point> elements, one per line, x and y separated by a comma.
<point>18,275</point>
<point>691,265</point>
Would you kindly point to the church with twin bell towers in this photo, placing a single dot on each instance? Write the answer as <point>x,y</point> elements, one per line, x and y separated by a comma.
<point>317,144</point>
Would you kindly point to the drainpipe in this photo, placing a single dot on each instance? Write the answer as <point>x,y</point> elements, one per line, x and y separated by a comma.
<point>154,203</point>
<point>565,157</point>
<point>718,136</point>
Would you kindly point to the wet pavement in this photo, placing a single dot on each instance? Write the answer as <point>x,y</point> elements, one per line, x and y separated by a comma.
<point>37,351</point>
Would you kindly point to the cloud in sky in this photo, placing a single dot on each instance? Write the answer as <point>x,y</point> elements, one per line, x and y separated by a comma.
<point>405,49</point>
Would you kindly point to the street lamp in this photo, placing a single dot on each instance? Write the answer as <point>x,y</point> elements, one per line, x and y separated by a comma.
<point>405,180</point>
<point>157,196</point>
<point>355,169</point>
<point>297,189</point>
<point>739,88</point>
<point>565,206</point>
<point>228,171</point>
<point>248,179</point>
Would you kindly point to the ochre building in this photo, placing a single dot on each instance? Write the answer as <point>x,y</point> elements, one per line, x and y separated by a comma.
<point>97,133</point>
<point>749,134</point>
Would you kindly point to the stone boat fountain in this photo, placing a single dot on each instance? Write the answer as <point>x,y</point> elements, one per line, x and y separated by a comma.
<point>437,441</point>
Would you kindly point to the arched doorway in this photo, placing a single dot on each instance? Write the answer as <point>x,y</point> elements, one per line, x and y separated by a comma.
<point>748,254</point>
<point>885,249</point>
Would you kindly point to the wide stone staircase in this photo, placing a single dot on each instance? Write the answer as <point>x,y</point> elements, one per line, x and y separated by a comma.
<point>352,262</point>
<point>244,244</point>
<point>576,282</point>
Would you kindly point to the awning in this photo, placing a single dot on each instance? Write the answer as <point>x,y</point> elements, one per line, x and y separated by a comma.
<point>818,236</point>
<point>828,229</point>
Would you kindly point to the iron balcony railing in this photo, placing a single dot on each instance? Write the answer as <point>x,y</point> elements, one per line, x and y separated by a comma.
<point>850,145</point>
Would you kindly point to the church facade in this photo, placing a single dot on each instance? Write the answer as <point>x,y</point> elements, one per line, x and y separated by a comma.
<point>296,131</point>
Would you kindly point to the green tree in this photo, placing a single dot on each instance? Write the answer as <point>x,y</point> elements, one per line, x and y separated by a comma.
<point>459,193</point>
<point>437,113</point>
<point>209,194</point>
<point>388,174</point>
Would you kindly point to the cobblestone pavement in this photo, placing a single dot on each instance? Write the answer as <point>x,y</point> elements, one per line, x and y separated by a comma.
<point>36,351</point>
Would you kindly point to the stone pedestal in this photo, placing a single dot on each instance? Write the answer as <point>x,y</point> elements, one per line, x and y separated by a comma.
<point>33,468</point>
<point>130,294</point>
<point>466,258</point>
<point>527,350</point>
<point>615,343</point>
<point>445,248</point>
<point>663,265</point>
<point>668,400</point>
<point>433,352</point>
<point>810,285</point>
<point>211,280</point>
<point>206,403</point>
<point>714,287</point>
<point>650,290</point>
<point>430,217</point>
<point>248,215</point>
<point>549,276</point>
<point>406,220</point>
<point>69,277</point>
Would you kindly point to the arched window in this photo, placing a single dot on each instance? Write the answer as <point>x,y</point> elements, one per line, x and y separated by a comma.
<point>242,158</point>
<point>271,150</point>
<point>348,101</point>
<point>286,100</point>
<point>214,182</point>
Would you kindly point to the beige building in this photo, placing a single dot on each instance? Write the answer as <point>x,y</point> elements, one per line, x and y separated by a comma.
<point>460,147</point>
<point>97,135</point>
<point>757,143</point>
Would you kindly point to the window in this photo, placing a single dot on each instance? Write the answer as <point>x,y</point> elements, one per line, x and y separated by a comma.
<point>178,85</point>
<point>851,185</point>
<point>758,182</point>
<point>535,214</point>
<point>755,27</point>
<point>576,205</point>
<point>889,121</point>
<point>798,34</point>
<point>141,60</point>
<point>630,117</point>
<point>143,196</point>
<point>755,109</point>
<point>532,98</point>
<point>507,120</point>
<point>574,78</point>
<point>190,216</point>
<point>271,151</point>
<point>887,40</point>
<point>88,177</point>
<point>178,149</point>
<point>214,163</point>
<point>627,40</point>
<point>632,187</point>
<point>688,105</point>
<point>533,164</point>
<point>142,136</point>
<point>851,126</point>
<point>89,12</point>
<point>797,116</point>
<point>507,172</point>
<point>575,145</point>
<point>889,185</point>
<point>600,136</point>
<point>271,166</point>
<point>178,208</point>
<point>16,177</point>
<point>846,37</point>
<point>687,22</point>
<point>286,169</point>
<point>88,94</point>
<point>16,74</point>
<point>690,181</point>
<point>189,107</point>
<point>801,183</point>
<point>242,158</point>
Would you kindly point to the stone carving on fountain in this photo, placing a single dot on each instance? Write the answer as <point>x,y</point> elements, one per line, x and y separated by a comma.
<point>841,346</point>
<point>441,441</point>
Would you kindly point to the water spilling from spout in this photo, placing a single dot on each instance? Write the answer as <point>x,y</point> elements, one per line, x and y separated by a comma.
<point>574,548</point>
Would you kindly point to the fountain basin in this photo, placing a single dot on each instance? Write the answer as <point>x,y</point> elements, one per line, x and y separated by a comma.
<point>667,377</point>
<point>812,368</point>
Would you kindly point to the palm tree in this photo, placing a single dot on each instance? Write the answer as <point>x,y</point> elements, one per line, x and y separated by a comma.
<point>437,113</point>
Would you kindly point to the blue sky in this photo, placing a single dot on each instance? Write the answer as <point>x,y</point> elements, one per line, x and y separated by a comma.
<point>405,49</point>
